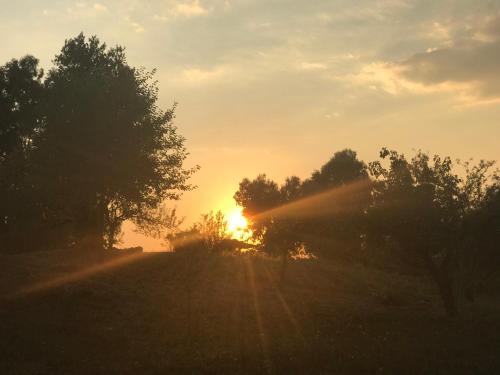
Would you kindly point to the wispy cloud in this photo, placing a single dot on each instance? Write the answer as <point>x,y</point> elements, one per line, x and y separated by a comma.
<point>190,9</point>
<point>99,7</point>
<point>134,25</point>
<point>185,9</point>
<point>312,66</point>
<point>83,9</point>
<point>201,76</point>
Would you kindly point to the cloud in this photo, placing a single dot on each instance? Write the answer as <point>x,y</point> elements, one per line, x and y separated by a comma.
<point>182,10</point>
<point>476,66</point>
<point>134,25</point>
<point>469,68</point>
<point>138,28</point>
<point>198,76</point>
<point>99,7</point>
<point>191,9</point>
<point>312,66</point>
<point>489,31</point>
<point>375,10</point>
<point>82,9</point>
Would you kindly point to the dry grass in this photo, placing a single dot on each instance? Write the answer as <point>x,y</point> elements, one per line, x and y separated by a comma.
<point>70,313</point>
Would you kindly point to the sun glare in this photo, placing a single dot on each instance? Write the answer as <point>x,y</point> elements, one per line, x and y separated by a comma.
<point>237,224</point>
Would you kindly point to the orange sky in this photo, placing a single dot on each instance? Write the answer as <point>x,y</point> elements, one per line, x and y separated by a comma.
<point>279,86</point>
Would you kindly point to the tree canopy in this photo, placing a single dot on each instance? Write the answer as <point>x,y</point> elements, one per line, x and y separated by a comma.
<point>442,220</point>
<point>98,150</point>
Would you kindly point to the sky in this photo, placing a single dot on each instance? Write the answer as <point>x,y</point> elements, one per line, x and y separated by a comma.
<point>277,86</point>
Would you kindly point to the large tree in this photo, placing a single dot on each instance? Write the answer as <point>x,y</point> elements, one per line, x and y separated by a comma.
<point>103,151</point>
<point>424,206</point>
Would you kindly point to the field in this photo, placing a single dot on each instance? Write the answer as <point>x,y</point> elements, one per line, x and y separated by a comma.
<point>74,313</point>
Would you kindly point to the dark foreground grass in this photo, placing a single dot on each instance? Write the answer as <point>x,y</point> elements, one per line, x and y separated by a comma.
<point>70,313</point>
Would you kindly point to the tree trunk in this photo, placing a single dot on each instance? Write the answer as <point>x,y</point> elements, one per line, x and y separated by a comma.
<point>443,281</point>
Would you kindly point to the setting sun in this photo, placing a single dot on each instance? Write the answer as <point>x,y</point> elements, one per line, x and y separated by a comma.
<point>237,224</point>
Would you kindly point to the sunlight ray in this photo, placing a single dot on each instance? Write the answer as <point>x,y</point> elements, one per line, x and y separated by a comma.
<point>258,315</point>
<point>334,201</point>
<point>81,274</point>
<point>283,302</point>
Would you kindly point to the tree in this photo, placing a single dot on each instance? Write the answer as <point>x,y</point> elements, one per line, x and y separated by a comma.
<point>101,150</point>
<point>213,229</point>
<point>340,228</point>
<point>481,231</point>
<point>259,196</point>
<point>343,168</point>
<point>111,152</point>
<point>421,204</point>
<point>275,234</point>
<point>21,93</point>
<point>338,218</point>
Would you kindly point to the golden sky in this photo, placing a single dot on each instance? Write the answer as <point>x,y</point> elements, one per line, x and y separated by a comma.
<point>279,86</point>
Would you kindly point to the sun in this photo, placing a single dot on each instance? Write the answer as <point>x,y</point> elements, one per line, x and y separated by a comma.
<point>237,224</point>
<point>236,220</point>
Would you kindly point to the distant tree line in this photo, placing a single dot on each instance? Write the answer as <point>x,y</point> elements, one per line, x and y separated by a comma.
<point>441,220</point>
<point>83,147</point>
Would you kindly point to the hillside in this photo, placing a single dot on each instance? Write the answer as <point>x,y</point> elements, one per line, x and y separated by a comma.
<point>65,312</point>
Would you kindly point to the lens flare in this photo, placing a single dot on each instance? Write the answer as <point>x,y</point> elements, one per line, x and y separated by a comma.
<point>237,224</point>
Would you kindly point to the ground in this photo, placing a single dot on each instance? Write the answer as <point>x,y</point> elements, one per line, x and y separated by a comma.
<point>66,312</point>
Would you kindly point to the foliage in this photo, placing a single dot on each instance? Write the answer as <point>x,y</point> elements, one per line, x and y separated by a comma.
<point>440,221</point>
<point>258,197</point>
<point>423,205</point>
<point>343,168</point>
<point>281,231</point>
<point>209,233</point>
<point>101,151</point>
<point>21,94</point>
<point>213,229</point>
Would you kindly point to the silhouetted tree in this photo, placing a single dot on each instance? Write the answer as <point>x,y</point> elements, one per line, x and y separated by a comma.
<point>343,168</point>
<point>481,231</point>
<point>275,234</point>
<point>257,197</point>
<point>111,153</point>
<point>282,231</point>
<point>339,228</point>
<point>21,92</point>
<point>101,151</point>
<point>20,95</point>
<point>421,204</point>
<point>449,223</point>
<point>291,190</point>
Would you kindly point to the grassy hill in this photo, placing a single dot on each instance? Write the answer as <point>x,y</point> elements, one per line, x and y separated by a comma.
<point>127,313</point>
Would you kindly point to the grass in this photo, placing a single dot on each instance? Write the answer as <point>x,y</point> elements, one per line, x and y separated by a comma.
<point>74,313</point>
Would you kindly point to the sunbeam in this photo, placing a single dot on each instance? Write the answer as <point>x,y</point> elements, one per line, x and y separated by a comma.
<point>258,315</point>
<point>116,262</point>
<point>284,304</point>
<point>334,201</point>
